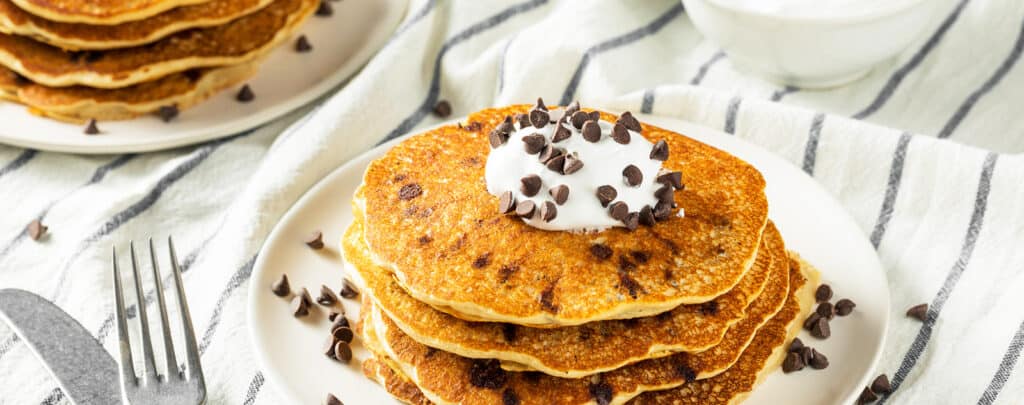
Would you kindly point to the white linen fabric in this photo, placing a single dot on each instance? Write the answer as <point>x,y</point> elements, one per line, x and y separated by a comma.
<point>946,215</point>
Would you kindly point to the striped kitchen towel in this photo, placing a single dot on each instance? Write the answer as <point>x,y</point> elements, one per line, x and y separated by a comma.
<point>923,153</point>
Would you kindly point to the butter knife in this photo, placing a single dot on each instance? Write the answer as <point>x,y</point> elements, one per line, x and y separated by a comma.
<point>83,369</point>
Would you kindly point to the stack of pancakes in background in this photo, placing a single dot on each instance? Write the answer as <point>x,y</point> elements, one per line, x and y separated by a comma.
<point>116,59</point>
<point>462,304</point>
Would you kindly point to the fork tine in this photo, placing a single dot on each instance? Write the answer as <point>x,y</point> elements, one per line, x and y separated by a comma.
<point>124,343</point>
<point>195,368</point>
<point>172,361</point>
<point>147,345</point>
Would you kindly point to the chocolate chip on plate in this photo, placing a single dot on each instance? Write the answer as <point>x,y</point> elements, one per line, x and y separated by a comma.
<point>340,320</point>
<point>560,193</point>
<point>811,320</point>
<point>867,396</point>
<point>629,121</point>
<point>348,290</point>
<point>919,311</point>
<point>506,203</point>
<point>443,109</point>
<point>618,210</point>
<point>820,329</point>
<point>302,45</point>
<point>299,307</point>
<point>306,298</point>
<point>606,194</point>
<point>620,134</point>
<point>660,151</point>
<point>36,229</point>
<point>91,128</point>
<point>315,240</point>
<point>325,9</point>
<point>342,333</point>
<point>327,348</point>
<point>632,175</point>
<point>548,211</point>
<point>326,297</point>
<point>795,345</point>
<point>332,400</point>
<point>245,95</point>
<point>334,315</point>
<point>844,307</point>
<point>281,287</point>
<point>342,352</point>
<point>530,185</point>
<point>167,112</point>
<point>826,310</point>
<point>881,385</point>
<point>793,362</point>
<point>818,360</point>
<point>824,293</point>
<point>806,353</point>
<point>525,209</point>
<point>672,179</point>
<point>572,164</point>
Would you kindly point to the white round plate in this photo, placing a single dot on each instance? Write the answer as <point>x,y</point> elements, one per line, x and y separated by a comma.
<point>342,44</point>
<point>811,221</point>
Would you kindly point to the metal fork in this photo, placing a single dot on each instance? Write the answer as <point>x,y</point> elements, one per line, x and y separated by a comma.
<point>180,387</point>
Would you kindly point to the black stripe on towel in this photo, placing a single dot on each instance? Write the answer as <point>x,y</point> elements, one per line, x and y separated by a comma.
<point>813,136</point>
<point>892,188</point>
<point>1005,368</point>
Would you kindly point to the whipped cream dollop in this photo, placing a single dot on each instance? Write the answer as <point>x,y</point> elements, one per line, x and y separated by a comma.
<point>557,174</point>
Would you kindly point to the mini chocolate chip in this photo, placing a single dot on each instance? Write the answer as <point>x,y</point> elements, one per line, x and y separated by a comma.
<point>826,310</point>
<point>343,352</point>
<point>487,374</point>
<point>818,360</point>
<point>560,193</point>
<point>540,104</point>
<point>443,109</point>
<point>795,345</point>
<point>500,134</point>
<point>673,179</point>
<point>556,164</point>
<point>245,95</point>
<point>91,128</point>
<point>548,211</point>
<point>844,307</point>
<point>333,316</point>
<point>601,252</point>
<point>709,308</point>
<point>332,400</point>
<point>539,118</point>
<point>629,121</point>
<point>281,287</point>
<point>193,74</point>
<point>508,330</point>
<point>662,211</point>
<point>602,393</point>
<point>632,221</point>
<point>867,396</point>
<point>919,311</point>
<point>327,297</point>
<point>327,348</point>
<point>409,191</point>
<point>591,131</point>
<point>660,151</point>
<point>348,290</point>
<point>36,229</point>
<point>620,134</point>
<point>506,203</point>
<point>509,397</point>
<point>550,152</point>
<point>824,293</point>
<point>525,209</point>
<point>793,362</point>
<point>881,385</point>
<point>561,132</point>
<point>523,119</point>
<point>811,320</point>
<point>306,298</point>
<point>618,210</point>
<point>594,116</point>
<point>806,353</point>
<point>632,175</point>
<point>168,112</point>
<point>820,329</point>
<point>647,216</point>
<point>606,194</point>
<point>341,320</point>
<point>578,118</point>
<point>299,307</point>
<point>534,143</point>
<point>324,10</point>
<point>302,45</point>
<point>572,164</point>
<point>342,333</point>
<point>665,194</point>
<point>530,185</point>
<point>571,109</point>
<point>315,240</point>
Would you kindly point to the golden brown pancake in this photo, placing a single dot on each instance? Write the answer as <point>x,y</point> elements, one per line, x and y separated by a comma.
<point>78,36</point>
<point>447,378</point>
<point>449,247</point>
<point>79,103</point>
<point>99,12</point>
<point>573,351</point>
<point>239,41</point>
<point>397,384</point>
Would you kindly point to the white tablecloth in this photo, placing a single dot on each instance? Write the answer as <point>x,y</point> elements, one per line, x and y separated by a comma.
<point>947,215</point>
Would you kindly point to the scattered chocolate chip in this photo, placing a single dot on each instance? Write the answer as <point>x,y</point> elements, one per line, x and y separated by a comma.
<point>523,120</point>
<point>606,194</point>
<point>539,118</point>
<point>844,307</point>
<point>579,118</point>
<point>548,211</point>
<point>245,95</point>
<point>534,143</point>
<point>572,164</point>
<point>647,216</point>
<point>594,116</point>
<point>632,176</point>
<point>662,211</point>
<point>601,252</point>
<point>315,240</point>
<point>509,397</point>
<point>299,307</point>
<point>348,290</point>
<point>332,400</point>
<point>826,310</point>
<point>306,298</point>
<point>302,45</point>
<point>36,229</point>
<point>487,374</point>
<point>560,193</point>
<point>795,345</point>
<point>602,393</point>
<point>333,316</point>
<point>325,9</point>
<point>919,311</point>
<point>881,385</point>
<point>556,164</point>
<point>530,185</point>
<point>443,109</point>
<point>824,293</point>
<point>629,121</point>
<point>342,333</point>
<point>506,203</point>
<point>806,353</point>
<point>525,209</point>
<point>660,151</point>
<point>793,362</point>
<point>550,152</point>
<point>591,131</point>
<point>500,134</point>
<point>811,320</point>
<point>818,360</point>
<point>342,352</point>
<point>326,297</point>
<point>867,396</point>
<point>409,191</point>
<point>820,329</point>
<point>540,105</point>
<point>327,348</point>
<point>709,308</point>
<point>632,221</point>
<point>665,194</point>
<point>281,287</point>
<point>571,109</point>
<point>561,133</point>
<point>672,179</point>
<point>618,210</point>
<point>620,134</point>
<point>91,128</point>
<point>340,320</point>
<point>167,112</point>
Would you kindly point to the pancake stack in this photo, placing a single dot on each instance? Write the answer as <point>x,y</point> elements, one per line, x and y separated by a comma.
<point>466,302</point>
<point>78,60</point>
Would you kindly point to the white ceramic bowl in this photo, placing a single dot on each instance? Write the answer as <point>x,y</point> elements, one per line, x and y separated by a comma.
<point>812,51</point>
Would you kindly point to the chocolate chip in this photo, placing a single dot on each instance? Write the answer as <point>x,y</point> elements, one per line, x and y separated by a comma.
<point>500,134</point>
<point>632,175</point>
<point>342,333</point>
<point>523,119</point>
<point>324,10</point>
<point>348,290</point>
<point>326,297</point>
<point>506,203</point>
<point>530,185</point>
<point>806,353</point>
<point>304,295</point>
<point>340,320</point>
<point>333,316</point>
<point>795,345</point>
<point>525,209</point>
<point>550,152</point>
<point>508,330</point>
<point>315,240</point>
<point>302,45</point>
<point>632,221</point>
<point>193,74</point>
<point>299,307</point>
<point>629,121</point>
<point>811,320</point>
<point>409,191</point>
<point>534,144</point>
<point>826,310</point>
<point>618,210</point>
<point>881,385</point>
<point>332,400</point>
<point>602,393</point>
<point>606,194</point>
<point>793,362</point>
<point>245,95</point>
<point>548,211</point>
<point>540,105</point>
<point>487,374</point>
<point>647,216</point>
<point>167,112</point>
<point>844,307</point>
<point>342,352</point>
<point>660,151</point>
<point>443,109</point>
<point>620,134</point>
<point>867,396</point>
<point>818,360</point>
<point>594,116</point>
<point>820,329</point>
<point>539,118</point>
<point>919,311</point>
<point>509,397</point>
<point>591,131</point>
<point>601,252</point>
<point>672,179</point>
<point>561,132</point>
<point>572,164</point>
<point>556,164</point>
<point>662,211</point>
<point>327,348</point>
<point>281,287</point>
<point>571,109</point>
<point>709,308</point>
<point>91,128</point>
<point>578,118</point>
<point>665,194</point>
<point>36,229</point>
<point>560,193</point>
<point>824,293</point>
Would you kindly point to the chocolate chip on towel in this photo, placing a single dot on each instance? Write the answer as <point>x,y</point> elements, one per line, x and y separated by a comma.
<point>919,311</point>
<point>304,294</point>
<point>881,385</point>
<point>281,287</point>
<point>315,240</point>
<point>844,307</point>
<point>36,229</point>
<point>348,290</point>
<point>91,128</point>
<point>811,320</point>
<point>795,345</point>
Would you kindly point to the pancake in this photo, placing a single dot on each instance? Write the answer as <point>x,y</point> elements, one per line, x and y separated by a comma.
<point>239,41</point>
<point>79,103</point>
<point>397,384</point>
<point>447,378</point>
<point>449,246</point>
<point>100,12</point>
<point>77,36</point>
<point>573,351</point>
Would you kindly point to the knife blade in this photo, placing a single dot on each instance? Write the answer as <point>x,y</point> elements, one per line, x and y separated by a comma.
<point>83,369</point>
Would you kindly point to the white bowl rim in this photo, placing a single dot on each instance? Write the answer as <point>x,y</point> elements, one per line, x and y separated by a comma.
<point>895,7</point>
